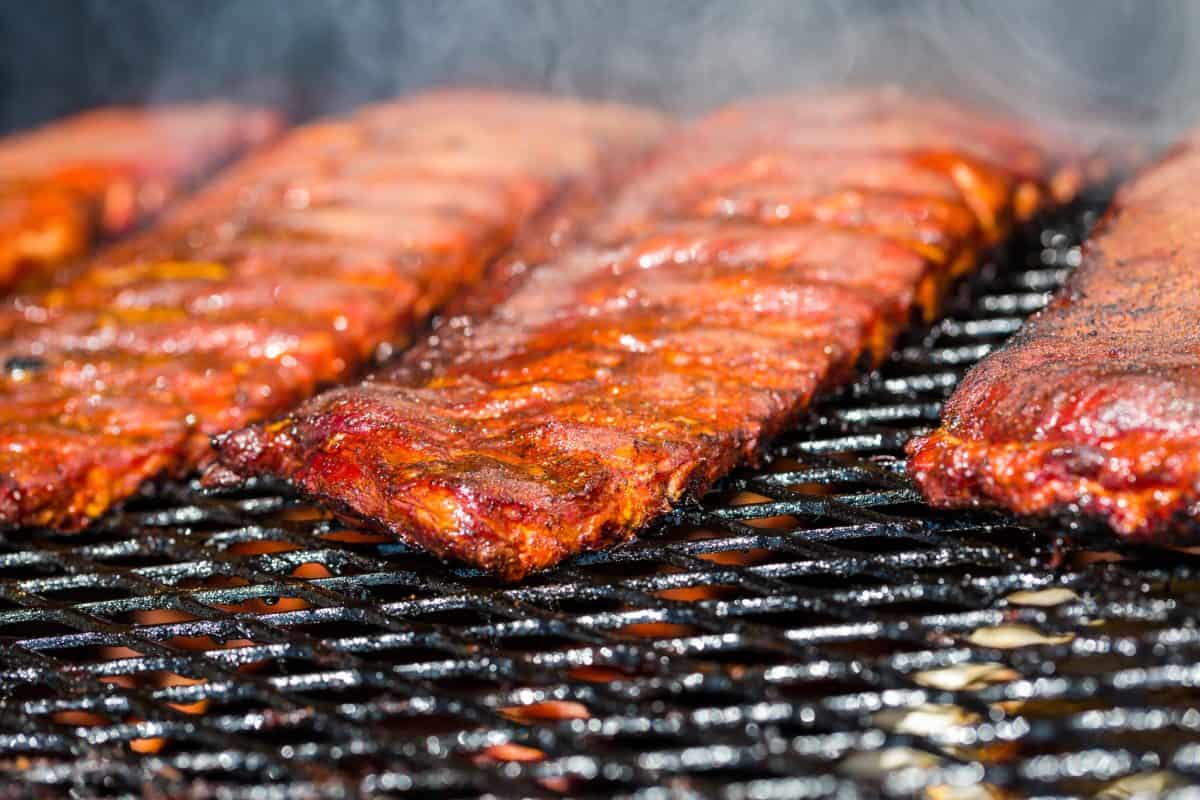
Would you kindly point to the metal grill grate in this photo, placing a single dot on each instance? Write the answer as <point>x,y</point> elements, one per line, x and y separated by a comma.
<point>809,629</point>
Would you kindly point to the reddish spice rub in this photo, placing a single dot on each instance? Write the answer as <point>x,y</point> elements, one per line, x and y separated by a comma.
<point>287,273</point>
<point>1093,408</point>
<point>751,262</point>
<point>100,173</point>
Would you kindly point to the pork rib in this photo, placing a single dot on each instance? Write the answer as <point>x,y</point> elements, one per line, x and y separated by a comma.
<point>99,173</point>
<point>1094,406</point>
<point>750,263</point>
<point>287,273</point>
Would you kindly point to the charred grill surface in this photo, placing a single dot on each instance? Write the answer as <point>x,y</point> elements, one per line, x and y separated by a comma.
<point>1094,407</point>
<point>100,173</point>
<point>286,274</point>
<point>751,263</point>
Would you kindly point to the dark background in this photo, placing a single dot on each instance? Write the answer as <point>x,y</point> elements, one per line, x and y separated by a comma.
<point>1128,60</point>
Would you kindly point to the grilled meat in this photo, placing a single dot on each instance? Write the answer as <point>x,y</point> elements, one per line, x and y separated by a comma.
<point>1094,406</point>
<point>99,173</point>
<point>751,262</point>
<point>287,273</point>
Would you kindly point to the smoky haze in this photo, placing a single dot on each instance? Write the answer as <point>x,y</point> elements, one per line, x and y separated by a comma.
<point>1132,62</point>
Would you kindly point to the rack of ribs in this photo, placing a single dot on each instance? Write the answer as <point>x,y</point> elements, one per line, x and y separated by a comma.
<point>1093,408</point>
<point>756,259</point>
<point>289,272</point>
<point>100,173</point>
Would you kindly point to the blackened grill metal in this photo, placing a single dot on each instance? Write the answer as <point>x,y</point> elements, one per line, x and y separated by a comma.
<point>807,630</point>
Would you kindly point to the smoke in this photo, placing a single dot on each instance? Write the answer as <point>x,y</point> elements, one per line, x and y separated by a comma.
<point>1129,61</point>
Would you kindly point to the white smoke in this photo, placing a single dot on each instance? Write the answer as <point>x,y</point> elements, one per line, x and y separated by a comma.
<point>1129,61</point>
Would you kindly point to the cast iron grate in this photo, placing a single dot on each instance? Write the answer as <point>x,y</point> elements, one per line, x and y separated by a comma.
<point>807,630</point>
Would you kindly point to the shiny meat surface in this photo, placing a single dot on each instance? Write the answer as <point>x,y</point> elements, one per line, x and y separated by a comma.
<point>99,173</point>
<point>287,273</point>
<point>1093,408</point>
<point>755,259</point>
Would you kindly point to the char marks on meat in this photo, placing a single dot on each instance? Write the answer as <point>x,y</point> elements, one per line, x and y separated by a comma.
<point>287,273</point>
<point>752,261</point>
<point>1093,407</point>
<point>100,173</point>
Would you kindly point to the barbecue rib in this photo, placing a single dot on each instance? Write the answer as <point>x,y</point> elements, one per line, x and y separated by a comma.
<point>99,173</point>
<point>1094,406</point>
<point>752,261</point>
<point>289,272</point>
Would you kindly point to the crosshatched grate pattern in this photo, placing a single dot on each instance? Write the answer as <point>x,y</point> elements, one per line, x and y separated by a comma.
<point>807,630</point>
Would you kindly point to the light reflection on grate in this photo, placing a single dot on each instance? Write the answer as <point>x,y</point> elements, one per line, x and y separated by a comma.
<point>809,629</point>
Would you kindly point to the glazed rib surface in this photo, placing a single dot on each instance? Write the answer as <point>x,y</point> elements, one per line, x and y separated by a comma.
<point>1094,406</point>
<point>99,173</point>
<point>751,262</point>
<point>287,273</point>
